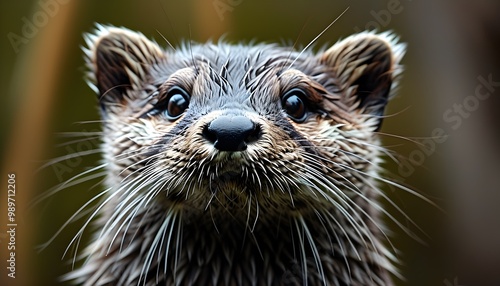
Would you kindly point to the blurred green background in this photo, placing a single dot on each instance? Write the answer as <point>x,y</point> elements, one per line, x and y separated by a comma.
<point>453,47</point>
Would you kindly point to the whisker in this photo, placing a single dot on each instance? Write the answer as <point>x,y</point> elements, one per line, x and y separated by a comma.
<point>318,36</point>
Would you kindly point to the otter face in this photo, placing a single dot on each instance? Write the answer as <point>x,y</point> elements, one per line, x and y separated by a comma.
<point>224,126</point>
<point>209,143</point>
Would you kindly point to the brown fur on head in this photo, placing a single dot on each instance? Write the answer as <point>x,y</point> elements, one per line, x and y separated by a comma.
<point>292,201</point>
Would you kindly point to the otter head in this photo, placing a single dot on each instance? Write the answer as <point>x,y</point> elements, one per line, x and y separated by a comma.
<point>244,135</point>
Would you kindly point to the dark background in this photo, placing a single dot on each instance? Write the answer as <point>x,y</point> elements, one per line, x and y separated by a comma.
<point>451,46</point>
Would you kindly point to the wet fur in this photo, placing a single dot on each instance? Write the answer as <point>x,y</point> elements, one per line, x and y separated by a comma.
<point>303,207</point>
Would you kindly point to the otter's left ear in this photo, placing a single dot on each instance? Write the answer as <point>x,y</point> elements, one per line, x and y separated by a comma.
<point>366,66</point>
<point>119,61</point>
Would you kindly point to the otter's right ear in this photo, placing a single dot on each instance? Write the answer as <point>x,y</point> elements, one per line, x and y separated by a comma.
<point>119,60</point>
<point>366,66</point>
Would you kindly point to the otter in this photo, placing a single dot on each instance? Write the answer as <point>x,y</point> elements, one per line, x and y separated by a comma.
<point>240,164</point>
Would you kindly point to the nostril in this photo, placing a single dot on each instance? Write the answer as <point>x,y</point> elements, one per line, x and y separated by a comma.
<point>231,133</point>
<point>209,134</point>
<point>254,134</point>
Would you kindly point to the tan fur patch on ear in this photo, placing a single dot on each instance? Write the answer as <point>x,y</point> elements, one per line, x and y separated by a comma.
<point>350,56</point>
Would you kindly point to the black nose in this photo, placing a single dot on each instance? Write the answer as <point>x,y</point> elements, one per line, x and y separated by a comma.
<point>231,133</point>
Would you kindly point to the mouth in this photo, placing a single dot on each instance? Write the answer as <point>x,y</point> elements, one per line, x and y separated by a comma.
<point>228,182</point>
<point>229,169</point>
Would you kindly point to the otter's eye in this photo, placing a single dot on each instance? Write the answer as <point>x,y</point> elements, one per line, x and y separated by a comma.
<point>177,103</point>
<point>294,105</point>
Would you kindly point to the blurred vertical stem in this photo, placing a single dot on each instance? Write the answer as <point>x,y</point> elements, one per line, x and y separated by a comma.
<point>42,59</point>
